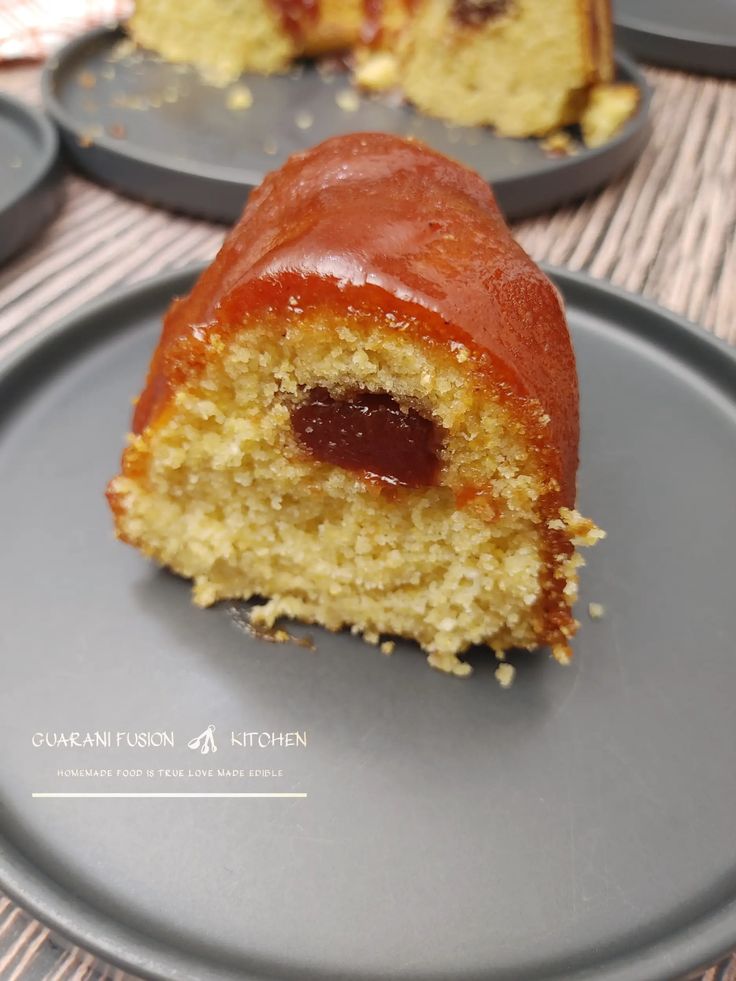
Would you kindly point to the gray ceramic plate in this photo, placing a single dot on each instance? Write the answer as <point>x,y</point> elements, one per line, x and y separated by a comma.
<point>195,154</point>
<point>576,827</point>
<point>695,36</point>
<point>29,175</point>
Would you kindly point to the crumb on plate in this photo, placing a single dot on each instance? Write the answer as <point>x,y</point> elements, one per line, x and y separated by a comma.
<point>304,119</point>
<point>347,100</point>
<point>505,674</point>
<point>559,144</point>
<point>239,97</point>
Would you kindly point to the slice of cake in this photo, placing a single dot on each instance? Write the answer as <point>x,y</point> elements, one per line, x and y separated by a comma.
<point>526,67</point>
<point>224,39</point>
<point>366,411</point>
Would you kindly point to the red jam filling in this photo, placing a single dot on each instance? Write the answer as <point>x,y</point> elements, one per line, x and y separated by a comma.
<point>474,13</point>
<point>370,434</point>
<point>370,31</point>
<point>296,14</point>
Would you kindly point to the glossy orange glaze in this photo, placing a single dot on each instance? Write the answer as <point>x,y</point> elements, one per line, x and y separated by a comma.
<point>391,228</point>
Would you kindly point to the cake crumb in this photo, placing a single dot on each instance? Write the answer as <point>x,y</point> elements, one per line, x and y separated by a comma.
<point>559,144</point>
<point>87,80</point>
<point>130,102</point>
<point>270,147</point>
<point>117,131</point>
<point>219,77</point>
<point>582,530</point>
<point>596,611</point>
<point>239,97</point>
<point>123,49</point>
<point>304,119</point>
<point>347,100</point>
<point>379,71</point>
<point>387,647</point>
<point>561,653</point>
<point>371,637</point>
<point>610,106</point>
<point>88,137</point>
<point>449,664</point>
<point>505,674</point>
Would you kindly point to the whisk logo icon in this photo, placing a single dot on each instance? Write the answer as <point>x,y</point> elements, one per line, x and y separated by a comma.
<point>205,741</point>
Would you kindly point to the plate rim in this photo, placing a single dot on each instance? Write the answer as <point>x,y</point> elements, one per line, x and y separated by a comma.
<point>701,944</point>
<point>46,175</point>
<point>632,137</point>
<point>643,25</point>
<point>696,51</point>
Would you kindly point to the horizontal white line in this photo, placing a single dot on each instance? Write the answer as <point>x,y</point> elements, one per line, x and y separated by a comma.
<point>262,794</point>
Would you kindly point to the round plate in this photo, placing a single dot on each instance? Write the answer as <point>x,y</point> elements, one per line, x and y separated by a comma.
<point>696,37</point>
<point>29,175</point>
<point>190,152</point>
<point>578,826</point>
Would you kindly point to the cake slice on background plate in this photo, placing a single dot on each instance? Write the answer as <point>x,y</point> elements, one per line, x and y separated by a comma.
<point>366,410</point>
<point>525,67</point>
<point>224,39</point>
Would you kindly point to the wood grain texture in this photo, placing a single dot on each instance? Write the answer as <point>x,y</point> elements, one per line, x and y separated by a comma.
<point>666,229</point>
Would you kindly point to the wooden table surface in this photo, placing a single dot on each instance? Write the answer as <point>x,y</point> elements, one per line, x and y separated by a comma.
<point>666,229</point>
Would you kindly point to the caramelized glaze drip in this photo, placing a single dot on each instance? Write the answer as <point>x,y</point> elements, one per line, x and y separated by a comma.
<point>295,14</point>
<point>474,13</point>
<point>370,434</point>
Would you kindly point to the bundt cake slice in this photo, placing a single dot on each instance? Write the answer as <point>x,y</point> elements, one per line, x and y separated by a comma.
<point>526,67</point>
<point>366,412</point>
<point>224,39</point>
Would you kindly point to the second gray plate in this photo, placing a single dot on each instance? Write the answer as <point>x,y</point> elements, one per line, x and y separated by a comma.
<point>578,827</point>
<point>695,37</point>
<point>30,175</point>
<point>157,131</point>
